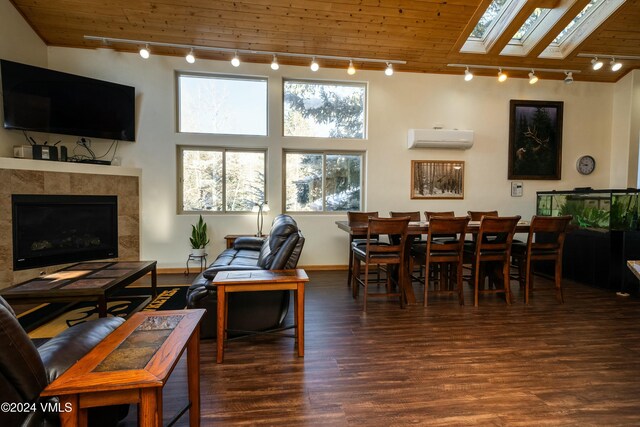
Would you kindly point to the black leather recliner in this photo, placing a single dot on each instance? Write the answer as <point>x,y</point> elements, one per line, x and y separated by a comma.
<point>250,311</point>
<point>25,371</point>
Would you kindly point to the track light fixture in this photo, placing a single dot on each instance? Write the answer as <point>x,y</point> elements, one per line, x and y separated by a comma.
<point>615,65</point>
<point>533,79</point>
<point>596,64</point>
<point>144,52</point>
<point>190,57</point>
<point>235,61</point>
<point>114,43</point>
<point>351,70</point>
<point>569,77</point>
<point>314,65</point>
<point>501,75</point>
<point>274,63</point>
<point>468,75</point>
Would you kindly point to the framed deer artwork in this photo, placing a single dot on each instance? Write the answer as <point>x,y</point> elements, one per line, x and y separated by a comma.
<point>535,139</point>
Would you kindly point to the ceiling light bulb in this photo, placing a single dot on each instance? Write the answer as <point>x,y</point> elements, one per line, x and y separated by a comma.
<point>468,75</point>
<point>569,77</point>
<point>501,76</point>
<point>274,63</point>
<point>314,65</point>
<point>351,70</point>
<point>615,65</point>
<point>389,70</point>
<point>190,57</point>
<point>144,52</point>
<point>533,79</point>
<point>235,61</point>
<point>596,64</point>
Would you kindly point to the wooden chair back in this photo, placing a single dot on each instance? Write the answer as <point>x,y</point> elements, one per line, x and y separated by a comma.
<point>429,214</point>
<point>495,236</point>
<point>452,227</point>
<point>477,215</point>
<point>396,230</point>
<point>413,215</point>
<point>360,217</point>
<point>547,233</point>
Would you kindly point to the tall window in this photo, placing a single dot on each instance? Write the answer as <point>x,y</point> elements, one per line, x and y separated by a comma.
<point>220,179</point>
<point>324,109</point>
<point>323,181</point>
<point>222,104</point>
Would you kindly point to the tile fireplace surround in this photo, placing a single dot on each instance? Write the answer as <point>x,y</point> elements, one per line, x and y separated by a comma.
<point>21,176</point>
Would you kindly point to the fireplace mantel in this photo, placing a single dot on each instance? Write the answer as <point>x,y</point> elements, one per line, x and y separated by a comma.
<point>25,176</point>
<point>68,167</point>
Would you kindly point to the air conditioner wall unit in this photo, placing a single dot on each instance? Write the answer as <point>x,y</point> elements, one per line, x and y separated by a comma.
<point>440,138</point>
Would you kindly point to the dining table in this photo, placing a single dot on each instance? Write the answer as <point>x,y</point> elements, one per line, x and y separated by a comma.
<point>414,228</point>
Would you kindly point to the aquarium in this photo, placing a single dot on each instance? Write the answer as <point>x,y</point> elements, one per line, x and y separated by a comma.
<point>598,209</point>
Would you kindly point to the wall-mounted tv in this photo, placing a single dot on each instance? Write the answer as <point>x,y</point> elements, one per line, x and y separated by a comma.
<point>41,100</point>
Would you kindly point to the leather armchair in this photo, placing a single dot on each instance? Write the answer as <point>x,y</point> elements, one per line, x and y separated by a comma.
<point>250,311</point>
<point>25,371</point>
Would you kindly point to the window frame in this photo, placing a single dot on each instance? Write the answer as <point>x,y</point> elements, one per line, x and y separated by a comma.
<point>223,149</point>
<point>324,153</point>
<point>180,73</point>
<point>365,85</point>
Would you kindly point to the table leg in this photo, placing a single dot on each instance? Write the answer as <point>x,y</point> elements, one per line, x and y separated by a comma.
<point>193,377</point>
<point>154,282</point>
<point>102,306</point>
<point>77,417</point>
<point>299,314</point>
<point>150,407</point>
<point>222,326</point>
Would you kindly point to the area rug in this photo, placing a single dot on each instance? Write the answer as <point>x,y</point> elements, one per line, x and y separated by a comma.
<point>48,320</point>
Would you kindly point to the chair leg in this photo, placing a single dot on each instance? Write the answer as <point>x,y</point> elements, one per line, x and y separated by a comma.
<point>366,285</point>
<point>558,278</point>
<point>355,286</point>
<point>476,279</point>
<point>507,281</point>
<point>459,283</point>
<point>426,284</point>
<point>528,280</point>
<point>350,272</point>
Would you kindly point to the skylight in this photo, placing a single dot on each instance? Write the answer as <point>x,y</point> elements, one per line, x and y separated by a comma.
<point>533,19</point>
<point>490,16</point>
<point>575,22</point>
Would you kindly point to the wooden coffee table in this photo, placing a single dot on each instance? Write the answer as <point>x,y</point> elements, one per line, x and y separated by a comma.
<point>85,281</point>
<point>132,365</point>
<point>259,280</point>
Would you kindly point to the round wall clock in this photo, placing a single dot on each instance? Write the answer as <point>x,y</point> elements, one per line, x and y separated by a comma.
<point>586,165</point>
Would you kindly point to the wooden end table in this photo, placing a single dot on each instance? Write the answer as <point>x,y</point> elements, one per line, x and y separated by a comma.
<point>259,280</point>
<point>132,365</point>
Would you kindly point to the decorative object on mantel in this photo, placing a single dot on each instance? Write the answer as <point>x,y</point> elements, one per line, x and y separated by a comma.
<point>198,238</point>
<point>260,208</point>
<point>535,139</point>
<point>440,138</point>
<point>437,179</point>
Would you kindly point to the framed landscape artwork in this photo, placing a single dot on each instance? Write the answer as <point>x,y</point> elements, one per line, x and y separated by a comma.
<point>437,179</point>
<point>535,139</point>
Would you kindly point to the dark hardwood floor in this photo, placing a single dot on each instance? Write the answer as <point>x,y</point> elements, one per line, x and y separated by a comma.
<point>543,364</point>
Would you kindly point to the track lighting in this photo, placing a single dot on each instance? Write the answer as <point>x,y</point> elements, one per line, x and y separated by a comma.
<point>533,79</point>
<point>615,65</point>
<point>569,77</point>
<point>190,57</point>
<point>274,63</point>
<point>596,64</point>
<point>144,52</point>
<point>389,70</point>
<point>351,70</point>
<point>468,75</point>
<point>235,61</point>
<point>501,76</point>
<point>314,65</point>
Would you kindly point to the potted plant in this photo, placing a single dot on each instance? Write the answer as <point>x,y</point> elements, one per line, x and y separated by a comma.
<point>198,237</point>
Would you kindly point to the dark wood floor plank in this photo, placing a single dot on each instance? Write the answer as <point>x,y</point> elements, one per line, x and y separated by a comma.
<point>544,364</point>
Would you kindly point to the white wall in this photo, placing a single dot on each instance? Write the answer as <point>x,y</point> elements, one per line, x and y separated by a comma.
<point>396,103</point>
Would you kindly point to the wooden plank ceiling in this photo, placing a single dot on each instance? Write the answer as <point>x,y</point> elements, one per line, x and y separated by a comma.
<point>427,34</point>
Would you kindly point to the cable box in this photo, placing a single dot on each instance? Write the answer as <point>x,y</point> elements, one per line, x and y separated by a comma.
<point>95,162</point>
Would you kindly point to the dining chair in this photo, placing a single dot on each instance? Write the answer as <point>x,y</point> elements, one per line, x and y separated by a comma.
<point>477,215</point>
<point>413,215</point>
<point>446,253</point>
<point>429,214</point>
<point>357,239</point>
<point>492,245</point>
<point>375,252</point>
<point>545,242</point>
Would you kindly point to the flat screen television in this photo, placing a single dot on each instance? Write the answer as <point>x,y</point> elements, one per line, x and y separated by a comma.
<point>41,100</point>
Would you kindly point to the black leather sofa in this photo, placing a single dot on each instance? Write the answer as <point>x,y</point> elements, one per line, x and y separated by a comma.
<point>250,311</point>
<point>25,371</point>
